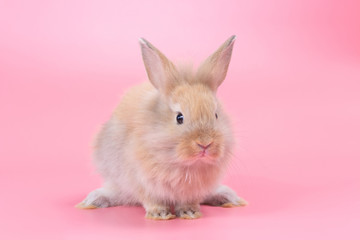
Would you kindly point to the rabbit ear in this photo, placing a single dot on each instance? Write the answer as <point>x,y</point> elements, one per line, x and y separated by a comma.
<point>213,70</point>
<point>160,70</point>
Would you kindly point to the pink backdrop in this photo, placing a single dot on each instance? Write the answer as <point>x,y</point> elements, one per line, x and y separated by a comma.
<point>293,89</point>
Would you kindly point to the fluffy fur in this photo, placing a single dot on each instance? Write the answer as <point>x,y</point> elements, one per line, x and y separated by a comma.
<point>146,158</point>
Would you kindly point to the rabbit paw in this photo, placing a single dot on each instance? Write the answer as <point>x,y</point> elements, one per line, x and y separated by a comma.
<point>188,211</point>
<point>99,198</point>
<point>224,197</point>
<point>158,213</point>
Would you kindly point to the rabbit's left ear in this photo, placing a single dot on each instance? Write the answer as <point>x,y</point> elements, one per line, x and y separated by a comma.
<point>160,70</point>
<point>213,70</point>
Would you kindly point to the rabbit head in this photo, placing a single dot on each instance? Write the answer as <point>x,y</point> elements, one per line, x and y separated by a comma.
<point>199,129</point>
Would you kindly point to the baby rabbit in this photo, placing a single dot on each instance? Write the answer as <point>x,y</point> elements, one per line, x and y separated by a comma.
<point>168,143</point>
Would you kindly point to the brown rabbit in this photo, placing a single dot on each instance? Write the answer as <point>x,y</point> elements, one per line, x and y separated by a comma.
<point>168,143</point>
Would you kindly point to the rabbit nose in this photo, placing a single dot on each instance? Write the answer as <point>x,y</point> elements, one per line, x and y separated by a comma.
<point>204,146</point>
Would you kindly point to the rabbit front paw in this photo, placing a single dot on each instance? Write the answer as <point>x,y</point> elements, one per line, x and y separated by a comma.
<point>158,212</point>
<point>190,211</point>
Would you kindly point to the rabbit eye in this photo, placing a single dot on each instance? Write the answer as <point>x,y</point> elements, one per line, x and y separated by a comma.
<point>180,118</point>
<point>216,115</point>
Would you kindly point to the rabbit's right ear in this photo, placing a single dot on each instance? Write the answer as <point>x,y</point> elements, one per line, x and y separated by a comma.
<point>213,71</point>
<point>161,71</point>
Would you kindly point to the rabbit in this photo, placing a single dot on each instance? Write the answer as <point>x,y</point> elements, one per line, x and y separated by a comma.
<point>168,143</point>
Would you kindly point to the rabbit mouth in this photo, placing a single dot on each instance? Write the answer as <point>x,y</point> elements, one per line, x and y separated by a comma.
<point>203,154</point>
<point>200,157</point>
<point>199,152</point>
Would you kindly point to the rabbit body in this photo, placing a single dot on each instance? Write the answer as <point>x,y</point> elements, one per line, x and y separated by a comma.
<point>168,142</point>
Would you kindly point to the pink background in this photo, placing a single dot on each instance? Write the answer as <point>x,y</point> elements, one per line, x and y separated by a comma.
<point>293,90</point>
